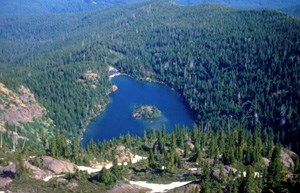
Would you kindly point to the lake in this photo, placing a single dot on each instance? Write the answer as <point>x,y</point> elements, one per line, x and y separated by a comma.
<point>117,119</point>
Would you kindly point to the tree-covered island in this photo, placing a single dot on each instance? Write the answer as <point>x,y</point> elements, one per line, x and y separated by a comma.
<point>146,112</point>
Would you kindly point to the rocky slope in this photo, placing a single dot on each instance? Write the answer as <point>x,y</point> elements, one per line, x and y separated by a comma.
<point>19,108</point>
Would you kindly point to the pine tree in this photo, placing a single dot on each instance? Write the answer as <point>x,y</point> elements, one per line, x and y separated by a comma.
<point>53,147</point>
<point>170,164</point>
<point>274,177</point>
<point>151,159</point>
<point>75,148</point>
<point>186,150</point>
<point>249,185</point>
<point>205,187</point>
<point>105,177</point>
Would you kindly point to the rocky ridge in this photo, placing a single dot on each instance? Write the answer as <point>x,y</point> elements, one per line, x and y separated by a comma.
<point>18,107</point>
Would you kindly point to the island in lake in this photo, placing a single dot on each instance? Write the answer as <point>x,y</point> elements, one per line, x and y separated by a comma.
<point>146,112</point>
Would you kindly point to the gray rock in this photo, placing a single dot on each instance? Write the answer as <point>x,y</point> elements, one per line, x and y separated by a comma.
<point>61,180</point>
<point>57,166</point>
<point>37,173</point>
<point>5,181</point>
<point>122,187</point>
<point>72,185</point>
<point>226,171</point>
<point>9,171</point>
<point>191,187</point>
<point>286,159</point>
<point>266,161</point>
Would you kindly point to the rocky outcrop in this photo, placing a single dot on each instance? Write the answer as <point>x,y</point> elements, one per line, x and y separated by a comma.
<point>191,187</point>
<point>121,149</point>
<point>91,75</point>
<point>19,106</point>
<point>114,88</point>
<point>61,181</point>
<point>4,181</point>
<point>226,171</point>
<point>122,187</point>
<point>179,151</point>
<point>72,185</point>
<point>190,144</point>
<point>266,161</point>
<point>57,166</point>
<point>36,172</point>
<point>9,171</point>
<point>286,158</point>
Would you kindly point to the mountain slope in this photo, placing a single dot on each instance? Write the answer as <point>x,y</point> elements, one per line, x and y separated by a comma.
<point>244,3</point>
<point>21,117</point>
<point>290,7</point>
<point>30,8</point>
<point>232,67</point>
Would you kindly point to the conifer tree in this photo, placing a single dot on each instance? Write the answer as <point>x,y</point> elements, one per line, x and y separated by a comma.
<point>53,147</point>
<point>274,177</point>
<point>249,184</point>
<point>105,177</point>
<point>151,159</point>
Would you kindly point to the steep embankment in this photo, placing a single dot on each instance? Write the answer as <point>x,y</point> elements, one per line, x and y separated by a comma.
<point>20,114</point>
<point>18,107</point>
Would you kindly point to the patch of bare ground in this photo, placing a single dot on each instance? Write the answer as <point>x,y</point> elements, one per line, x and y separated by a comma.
<point>91,75</point>
<point>19,106</point>
<point>122,187</point>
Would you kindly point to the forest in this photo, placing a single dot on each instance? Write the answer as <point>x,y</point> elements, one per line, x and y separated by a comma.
<point>238,71</point>
<point>214,160</point>
<point>232,67</point>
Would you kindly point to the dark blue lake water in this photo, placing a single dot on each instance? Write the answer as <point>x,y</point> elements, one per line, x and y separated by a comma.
<point>117,118</point>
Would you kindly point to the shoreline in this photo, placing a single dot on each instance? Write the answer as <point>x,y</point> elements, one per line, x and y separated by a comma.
<point>114,72</point>
<point>102,108</point>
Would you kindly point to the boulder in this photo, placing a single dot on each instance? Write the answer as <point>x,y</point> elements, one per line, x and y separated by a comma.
<point>36,172</point>
<point>9,171</point>
<point>5,181</point>
<point>286,159</point>
<point>121,149</point>
<point>122,187</point>
<point>266,161</point>
<point>61,181</point>
<point>179,151</point>
<point>191,187</point>
<point>190,144</point>
<point>72,185</point>
<point>57,166</point>
<point>114,88</point>
<point>226,171</point>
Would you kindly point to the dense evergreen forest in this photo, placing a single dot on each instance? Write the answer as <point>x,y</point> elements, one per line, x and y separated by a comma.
<point>232,67</point>
<point>238,71</point>
<point>243,4</point>
<point>236,160</point>
<point>33,8</point>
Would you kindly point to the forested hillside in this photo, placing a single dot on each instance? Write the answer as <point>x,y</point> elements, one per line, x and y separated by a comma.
<point>233,67</point>
<point>243,3</point>
<point>238,71</point>
<point>34,8</point>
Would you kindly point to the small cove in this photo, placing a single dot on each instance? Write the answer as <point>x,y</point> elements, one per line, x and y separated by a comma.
<point>117,119</point>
